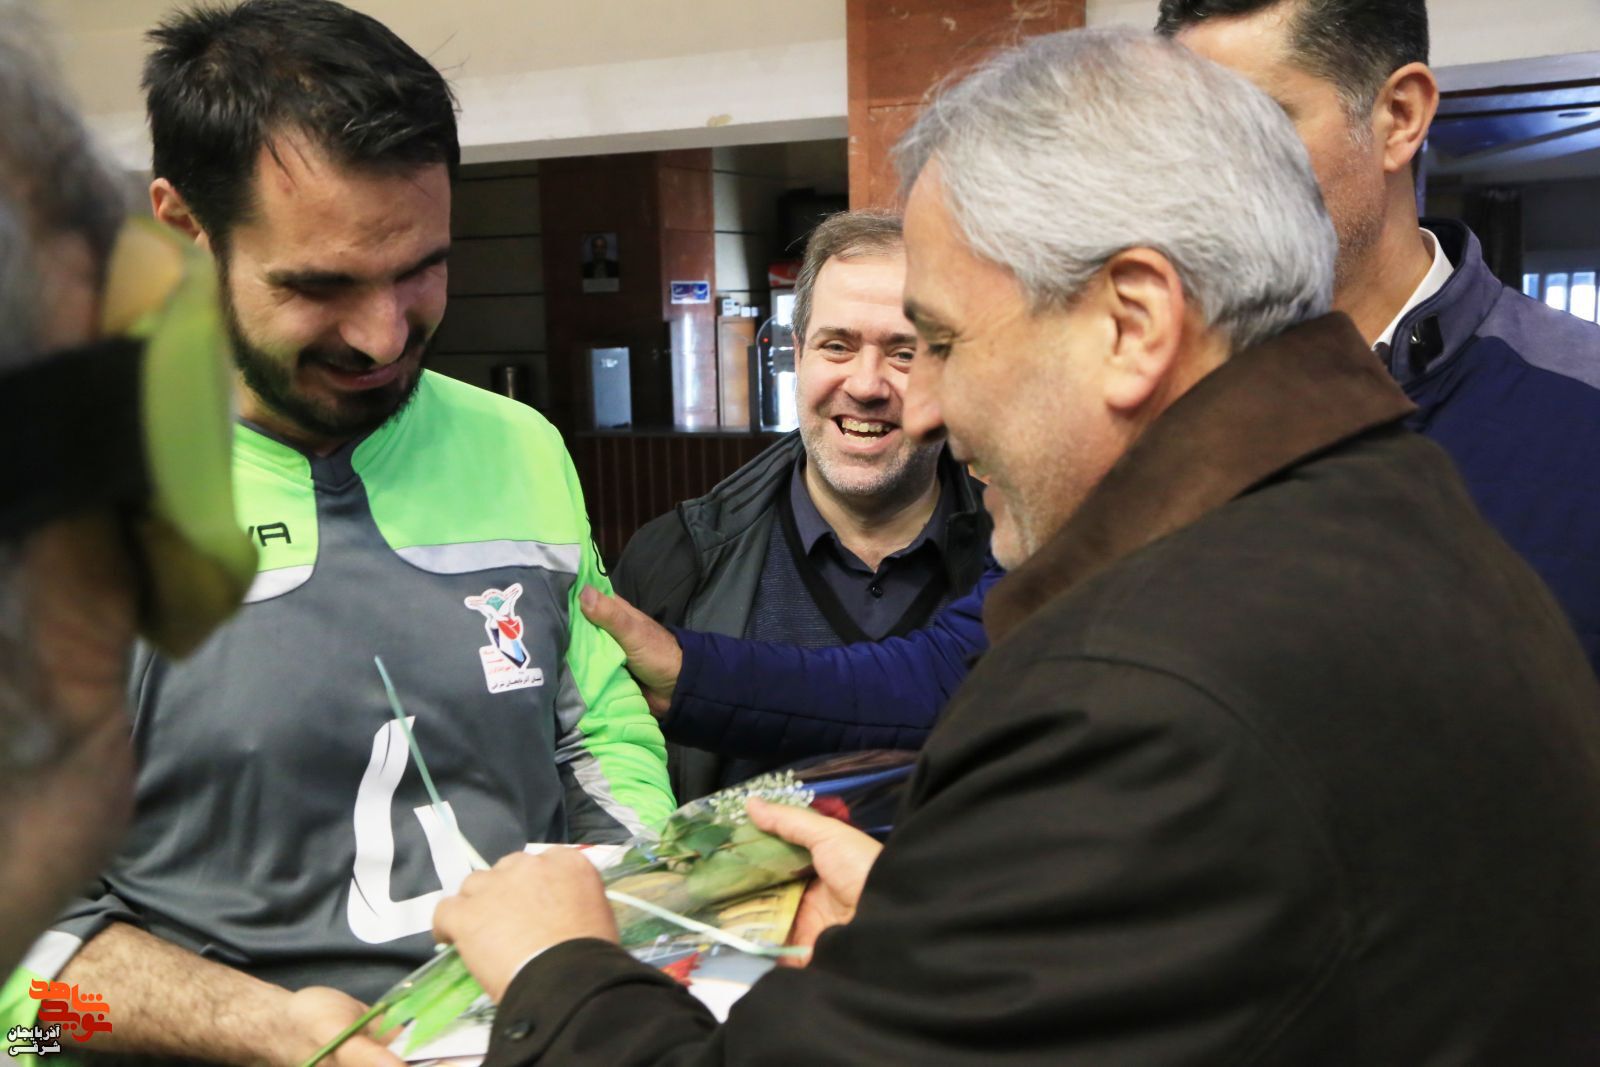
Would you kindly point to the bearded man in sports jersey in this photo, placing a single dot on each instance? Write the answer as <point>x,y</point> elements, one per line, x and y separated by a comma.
<point>283,837</point>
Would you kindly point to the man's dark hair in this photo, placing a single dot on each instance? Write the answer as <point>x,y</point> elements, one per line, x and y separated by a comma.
<point>223,82</point>
<point>844,235</point>
<point>1355,44</point>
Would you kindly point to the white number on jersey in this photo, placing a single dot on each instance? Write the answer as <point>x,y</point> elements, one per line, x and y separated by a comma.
<point>374,917</point>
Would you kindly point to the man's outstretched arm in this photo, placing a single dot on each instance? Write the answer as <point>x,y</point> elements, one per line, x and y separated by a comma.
<point>763,700</point>
<point>167,1002</point>
<point>1100,867</point>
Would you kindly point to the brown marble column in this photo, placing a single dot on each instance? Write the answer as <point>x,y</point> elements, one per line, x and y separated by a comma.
<point>688,253</point>
<point>900,49</point>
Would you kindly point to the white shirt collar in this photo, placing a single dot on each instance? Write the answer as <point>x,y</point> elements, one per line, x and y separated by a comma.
<point>1432,282</point>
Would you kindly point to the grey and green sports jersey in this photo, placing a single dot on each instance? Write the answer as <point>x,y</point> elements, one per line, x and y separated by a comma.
<point>281,826</point>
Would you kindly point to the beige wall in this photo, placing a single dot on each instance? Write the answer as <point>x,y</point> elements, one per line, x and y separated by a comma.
<point>541,78</point>
<point>1463,31</point>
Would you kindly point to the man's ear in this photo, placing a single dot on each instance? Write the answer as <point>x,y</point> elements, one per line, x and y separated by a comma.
<point>170,208</point>
<point>1144,296</point>
<point>1402,114</point>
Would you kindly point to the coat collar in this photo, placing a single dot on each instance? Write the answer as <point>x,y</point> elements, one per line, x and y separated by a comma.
<point>1263,411</point>
<point>749,494</point>
<point>1441,325</point>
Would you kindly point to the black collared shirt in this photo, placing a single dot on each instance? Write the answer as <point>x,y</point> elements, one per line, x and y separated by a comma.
<point>874,600</point>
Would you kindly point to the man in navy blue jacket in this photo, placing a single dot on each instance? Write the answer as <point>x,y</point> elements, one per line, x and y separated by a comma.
<point>1509,387</point>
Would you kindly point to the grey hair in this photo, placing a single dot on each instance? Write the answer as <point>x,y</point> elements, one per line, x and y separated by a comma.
<point>1058,154</point>
<point>53,177</point>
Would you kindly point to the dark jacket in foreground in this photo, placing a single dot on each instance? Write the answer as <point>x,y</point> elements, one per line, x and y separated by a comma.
<point>1509,387</point>
<point>699,566</point>
<point>1280,756</point>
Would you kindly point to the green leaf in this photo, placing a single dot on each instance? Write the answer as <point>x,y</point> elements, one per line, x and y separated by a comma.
<point>439,1014</point>
<point>440,978</point>
<point>705,839</point>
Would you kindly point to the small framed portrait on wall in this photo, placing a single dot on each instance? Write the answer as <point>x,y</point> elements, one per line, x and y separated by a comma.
<point>601,271</point>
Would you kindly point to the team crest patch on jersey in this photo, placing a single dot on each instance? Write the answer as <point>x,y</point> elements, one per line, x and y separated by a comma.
<point>505,657</point>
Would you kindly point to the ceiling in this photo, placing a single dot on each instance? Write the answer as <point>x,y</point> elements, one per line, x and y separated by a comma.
<point>1519,133</point>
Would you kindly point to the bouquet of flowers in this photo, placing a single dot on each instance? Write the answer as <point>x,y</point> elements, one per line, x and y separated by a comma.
<point>708,852</point>
<point>675,878</point>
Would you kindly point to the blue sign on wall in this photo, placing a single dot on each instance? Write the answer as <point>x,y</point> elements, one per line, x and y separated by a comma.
<point>691,292</point>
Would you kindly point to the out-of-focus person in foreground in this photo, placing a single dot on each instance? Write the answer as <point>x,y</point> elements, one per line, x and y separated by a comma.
<point>116,516</point>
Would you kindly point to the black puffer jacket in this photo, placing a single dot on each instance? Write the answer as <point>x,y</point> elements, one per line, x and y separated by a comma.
<point>698,566</point>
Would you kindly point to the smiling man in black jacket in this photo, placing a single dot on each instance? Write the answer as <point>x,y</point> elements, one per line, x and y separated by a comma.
<point>846,530</point>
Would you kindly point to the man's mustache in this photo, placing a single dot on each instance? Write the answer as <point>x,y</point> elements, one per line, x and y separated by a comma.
<point>353,361</point>
<point>887,411</point>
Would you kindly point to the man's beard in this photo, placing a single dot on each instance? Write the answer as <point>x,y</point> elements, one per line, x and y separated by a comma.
<point>1358,221</point>
<point>349,415</point>
<point>889,485</point>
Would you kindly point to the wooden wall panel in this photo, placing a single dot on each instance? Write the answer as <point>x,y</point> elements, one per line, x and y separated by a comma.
<point>659,206</point>
<point>900,49</point>
<point>602,194</point>
<point>489,266</point>
<point>494,206</point>
<point>497,308</point>
<point>492,324</point>
<point>630,478</point>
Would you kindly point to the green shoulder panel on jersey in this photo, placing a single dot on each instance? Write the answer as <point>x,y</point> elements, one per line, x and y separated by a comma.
<point>466,480</point>
<point>277,505</point>
<point>18,1005</point>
